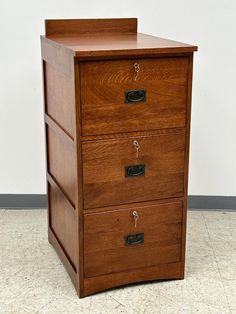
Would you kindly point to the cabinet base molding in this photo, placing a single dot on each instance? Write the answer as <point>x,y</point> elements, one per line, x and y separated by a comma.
<point>100,283</point>
<point>160,272</point>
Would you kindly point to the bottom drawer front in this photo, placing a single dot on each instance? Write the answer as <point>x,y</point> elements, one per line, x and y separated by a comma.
<point>112,243</point>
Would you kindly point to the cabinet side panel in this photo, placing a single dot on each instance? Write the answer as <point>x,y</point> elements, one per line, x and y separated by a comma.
<point>62,164</point>
<point>63,223</point>
<point>60,99</point>
<point>57,55</point>
<point>61,147</point>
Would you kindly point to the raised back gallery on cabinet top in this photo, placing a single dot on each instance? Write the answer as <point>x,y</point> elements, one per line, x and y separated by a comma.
<point>108,38</point>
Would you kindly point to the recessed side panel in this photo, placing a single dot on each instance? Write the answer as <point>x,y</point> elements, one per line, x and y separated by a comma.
<point>63,223</point>
<point>60,98</point>
<point>62,164</point>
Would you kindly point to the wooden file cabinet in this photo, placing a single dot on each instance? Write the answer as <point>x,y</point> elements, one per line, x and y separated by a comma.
<point>117,119</point>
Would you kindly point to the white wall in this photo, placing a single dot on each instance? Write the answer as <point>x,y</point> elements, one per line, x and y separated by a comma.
<point>209,24</point>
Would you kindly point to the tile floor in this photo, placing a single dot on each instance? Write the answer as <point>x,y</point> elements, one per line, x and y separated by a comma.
<point>33,280</point>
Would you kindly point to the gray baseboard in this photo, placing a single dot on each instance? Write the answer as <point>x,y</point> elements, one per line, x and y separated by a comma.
<point>210,202</point>
<point>23,201</point>
<point>195,202</point>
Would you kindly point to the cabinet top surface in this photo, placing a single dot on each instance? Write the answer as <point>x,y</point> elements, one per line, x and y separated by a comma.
<point>103,37</point>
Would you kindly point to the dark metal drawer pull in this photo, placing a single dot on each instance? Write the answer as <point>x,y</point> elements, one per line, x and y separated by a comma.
<point>133,239</point>
<point>134,96</point>
<point>134,171</point>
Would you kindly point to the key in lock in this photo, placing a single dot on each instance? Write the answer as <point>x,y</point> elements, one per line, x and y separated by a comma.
<point>136,147</point>
<point>136,217</point>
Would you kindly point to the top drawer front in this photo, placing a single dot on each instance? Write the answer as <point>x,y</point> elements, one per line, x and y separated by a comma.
<point>105,83</point>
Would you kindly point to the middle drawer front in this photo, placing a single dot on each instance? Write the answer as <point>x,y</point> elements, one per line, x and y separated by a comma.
<point>114,174</point>
<point>112,242</point>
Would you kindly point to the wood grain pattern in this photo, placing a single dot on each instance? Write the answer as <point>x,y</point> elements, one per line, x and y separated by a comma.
<point>104,165</point>
<point>60,99</point>
<point>90,26</point>
<point>104,282</point>
<point>64,158</point>
<point>103,95</point>
<point>133,135</point>
<point>59,56</point>
<point>79,185</point>
<point>108,46</point>
<point>87,66</point>
<point>96,38</point>
<point>66,137</point>
<point>105,250</point>
<point>62,165</point>
<point>134,205</point>
<point>63,223</point>
<point>186,166</point>
<point>58,248</point>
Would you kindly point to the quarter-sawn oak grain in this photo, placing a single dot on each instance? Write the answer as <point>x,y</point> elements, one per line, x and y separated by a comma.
<point>104,165</point>
<point>88,65</point>
<point>104,243</point>
<point>103,86</point>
